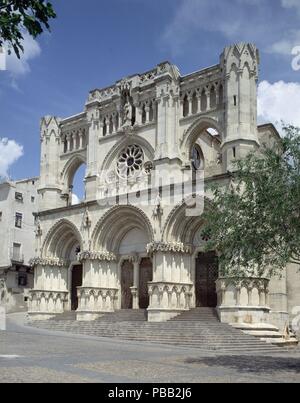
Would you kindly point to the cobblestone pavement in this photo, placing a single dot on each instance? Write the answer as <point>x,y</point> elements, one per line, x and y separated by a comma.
<point>30,355</point>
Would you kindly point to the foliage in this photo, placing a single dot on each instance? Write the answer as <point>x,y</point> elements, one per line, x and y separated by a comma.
<point>19,16</point>
<point>254,223</point>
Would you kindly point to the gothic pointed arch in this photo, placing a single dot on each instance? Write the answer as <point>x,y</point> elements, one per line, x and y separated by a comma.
<point>62,241</point>
<point>199,130</point>
<point>70,169</point>
<point>181,227</point>
<point>121,145</point>
<point>116,223</point>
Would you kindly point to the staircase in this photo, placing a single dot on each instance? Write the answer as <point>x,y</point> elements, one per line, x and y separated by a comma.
<point>198,328</point>
<point>269,334</point>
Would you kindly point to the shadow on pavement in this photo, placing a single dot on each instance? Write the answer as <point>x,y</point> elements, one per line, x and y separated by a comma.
<point>251,364</point>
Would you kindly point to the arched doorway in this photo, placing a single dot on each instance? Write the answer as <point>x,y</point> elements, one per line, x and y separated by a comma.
<point>136,273</point>
<point>76,281</point>
<point>205,282</point>
<point>126,231</point>
<point>126,284</point>
<point>64,242</point>
<point>145,276</point>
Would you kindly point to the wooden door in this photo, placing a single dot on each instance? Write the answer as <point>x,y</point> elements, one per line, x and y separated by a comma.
<point>206,276</point>
<point>76,282</point>
<point>126,283</point>
<point>146,275</point>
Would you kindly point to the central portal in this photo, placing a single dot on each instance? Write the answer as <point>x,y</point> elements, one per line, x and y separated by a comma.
<point>126,284</point>
<point>207,273</point>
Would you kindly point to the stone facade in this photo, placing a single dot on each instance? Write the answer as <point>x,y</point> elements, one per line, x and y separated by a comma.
<point>18,203</point>
<point>135,241</point>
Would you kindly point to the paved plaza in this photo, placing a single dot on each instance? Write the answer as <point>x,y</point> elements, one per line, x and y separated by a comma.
<point>30,355</point>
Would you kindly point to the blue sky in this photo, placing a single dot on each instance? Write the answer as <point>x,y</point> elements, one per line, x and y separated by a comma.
<point>93,43</point>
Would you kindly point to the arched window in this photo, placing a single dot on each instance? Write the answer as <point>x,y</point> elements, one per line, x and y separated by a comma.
<point>77,188</point>
<point>143,115</point>
<point>197,158</point>
<point>111,125</point>
<point>104,127</point>
<point>65,145</point>
<point>151,112</point>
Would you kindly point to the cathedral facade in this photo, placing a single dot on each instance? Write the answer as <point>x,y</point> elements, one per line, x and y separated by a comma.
<point>135,240</point>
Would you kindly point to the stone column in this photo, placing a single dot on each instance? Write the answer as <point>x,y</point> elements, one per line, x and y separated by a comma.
<point>147,109</point>
<point>99,289</point>
<point>115,123</point>
<point>68,136</point>
<point>74,138</point>
<point>170,290</point>
<point>208,100</point>
<point>81,140</point>
<point>199,94</point>
<point>136,278</point>
<point>181,108</point>
<point>190,100</point>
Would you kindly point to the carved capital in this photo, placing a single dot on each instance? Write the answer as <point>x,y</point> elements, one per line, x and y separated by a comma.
<point>101,256</point>
<point>170,247</point>
<point>49,261</point>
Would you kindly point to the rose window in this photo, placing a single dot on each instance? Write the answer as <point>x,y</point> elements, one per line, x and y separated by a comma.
<point>130,162</point>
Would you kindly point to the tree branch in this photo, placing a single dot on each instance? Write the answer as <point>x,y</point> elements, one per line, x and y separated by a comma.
<point>6,5</point>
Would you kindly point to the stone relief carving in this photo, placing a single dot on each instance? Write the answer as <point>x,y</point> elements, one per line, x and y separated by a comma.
<point>176,247</point>
<point>102,256</point>
<point>49,261</point>
<point>87,221</point>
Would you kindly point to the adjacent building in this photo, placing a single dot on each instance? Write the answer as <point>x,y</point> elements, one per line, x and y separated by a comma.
<point>18,203</point>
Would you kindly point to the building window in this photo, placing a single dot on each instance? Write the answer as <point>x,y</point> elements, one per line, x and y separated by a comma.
<point>22,279</point>
<point>19,197</point>
<point>16,252</point>
<point>32,199</point>
<point>130,162</point>
<point>197,158</point>
<point>18,220</point>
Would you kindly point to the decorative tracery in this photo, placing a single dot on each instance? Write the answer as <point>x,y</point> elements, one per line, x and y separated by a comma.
<point>130,162</point>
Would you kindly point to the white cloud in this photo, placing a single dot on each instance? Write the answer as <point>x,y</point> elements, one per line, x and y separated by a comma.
<point>10,152</point>
<point>19,67</point>
<point>285,45</point>
<point>291,4</point>
<point>278,102</point>
<point>75,199</point>
<point>236,20</point>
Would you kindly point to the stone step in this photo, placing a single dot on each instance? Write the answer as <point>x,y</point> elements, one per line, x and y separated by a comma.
<point>267,333</point>
<point>199,328</point>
